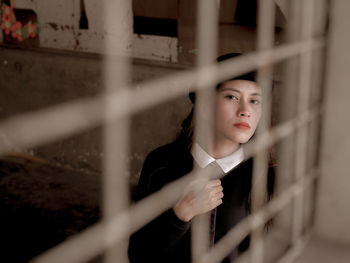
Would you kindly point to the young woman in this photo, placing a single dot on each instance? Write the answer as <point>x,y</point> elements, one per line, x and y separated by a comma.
<point>238,106</point>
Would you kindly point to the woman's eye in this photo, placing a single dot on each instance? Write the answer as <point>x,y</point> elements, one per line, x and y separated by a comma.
<point>256,102</point>
<point>231,97</point>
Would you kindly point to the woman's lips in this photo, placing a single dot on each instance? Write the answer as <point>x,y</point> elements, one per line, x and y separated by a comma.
<point>242,125</point>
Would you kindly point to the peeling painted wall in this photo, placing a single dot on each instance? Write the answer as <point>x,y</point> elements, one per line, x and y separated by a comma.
<point>155,47</point>
<point>59,29</point>
<point>59,24</point>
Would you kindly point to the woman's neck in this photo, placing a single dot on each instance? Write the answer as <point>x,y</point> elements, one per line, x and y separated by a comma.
<point>220,149</point>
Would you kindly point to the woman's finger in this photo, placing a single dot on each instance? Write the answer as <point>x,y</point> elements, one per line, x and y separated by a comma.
<point>219,195</point>
<point>217,189</point>
<point>216,197</point>
<point>213,183</point>
<point>217,203</point>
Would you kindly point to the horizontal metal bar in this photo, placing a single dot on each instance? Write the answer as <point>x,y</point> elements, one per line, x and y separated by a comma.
<point>39,127</point>
<point>258,219</point>
<point>92,240</point>
<point>293,252</point>
<point>290,255</point>
<point>104,234</point>
<point>281,131</point>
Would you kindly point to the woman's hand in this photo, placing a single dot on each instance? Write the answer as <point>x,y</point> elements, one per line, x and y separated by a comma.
<point>201,198</point>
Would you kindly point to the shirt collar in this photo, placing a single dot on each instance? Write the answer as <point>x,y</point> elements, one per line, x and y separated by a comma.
<point>227,163</point>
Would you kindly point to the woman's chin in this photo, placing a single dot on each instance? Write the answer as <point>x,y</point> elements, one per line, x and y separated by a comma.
<point>242,138</point>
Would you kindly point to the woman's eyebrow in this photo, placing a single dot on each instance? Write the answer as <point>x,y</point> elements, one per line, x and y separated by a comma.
<point>236,90</point>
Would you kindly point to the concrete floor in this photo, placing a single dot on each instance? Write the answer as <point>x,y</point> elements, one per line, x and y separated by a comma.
<point>42,205</point>
<point>319,250</point>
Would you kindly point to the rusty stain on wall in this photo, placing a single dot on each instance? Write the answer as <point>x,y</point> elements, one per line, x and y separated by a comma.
<point>59,29</point>
<point>53,25</point>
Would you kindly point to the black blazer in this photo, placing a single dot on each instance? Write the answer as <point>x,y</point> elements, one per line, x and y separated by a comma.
<point>167,238</point>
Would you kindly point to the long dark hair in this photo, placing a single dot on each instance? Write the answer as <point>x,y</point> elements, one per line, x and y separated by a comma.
<point>187,129</point>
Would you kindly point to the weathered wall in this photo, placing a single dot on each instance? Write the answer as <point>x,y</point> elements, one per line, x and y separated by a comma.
<point>333,214</point>
<point>59,28</point>
<point>58,21</point>
<point>156,8</point>
<point>31,81</point>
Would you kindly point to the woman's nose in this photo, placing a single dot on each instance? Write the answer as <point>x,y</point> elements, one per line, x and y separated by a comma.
<point>244,114</point>
<point>244,110</point>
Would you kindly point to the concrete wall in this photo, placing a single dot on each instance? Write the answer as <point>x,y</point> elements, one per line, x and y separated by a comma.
<point>59,29</point>
<point>31,81</point>
<point>156,8</point>
<point>333,214</point>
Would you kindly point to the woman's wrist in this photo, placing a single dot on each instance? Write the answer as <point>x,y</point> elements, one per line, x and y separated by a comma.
<point>182,213</point>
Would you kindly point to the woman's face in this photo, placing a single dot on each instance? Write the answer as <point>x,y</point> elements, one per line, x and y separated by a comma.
<point>237,111</point>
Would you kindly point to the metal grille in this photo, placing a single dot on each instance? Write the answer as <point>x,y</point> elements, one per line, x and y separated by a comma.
<point>301,52</point>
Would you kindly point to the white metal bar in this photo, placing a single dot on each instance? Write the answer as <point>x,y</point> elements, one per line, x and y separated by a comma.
<point>116,131</point>
<point>304,89</point>
<point>265,40</point>
<point>266,24</point>
<point>116,228</point>
<point>105,234</point>
<point>207,31</point>
<point>207,34</point>
<point>281,131</point>
<point>292,254</point>
<point>92,240</point>
<point>286,90</point>
<point>39,127</point>
<point>253,221</point>
<point>317,86</point>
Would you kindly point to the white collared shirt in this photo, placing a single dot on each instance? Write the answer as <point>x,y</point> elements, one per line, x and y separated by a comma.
<point>227,163</point>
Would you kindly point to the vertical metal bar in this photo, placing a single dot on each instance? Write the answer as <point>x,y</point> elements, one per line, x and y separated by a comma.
<point>321,17</point>
<point>314,133</point>
<point>303,104</point>
<point>286,111</point>
<point>207,23</point>
<point>265,40</point>
<point>116,132</point>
